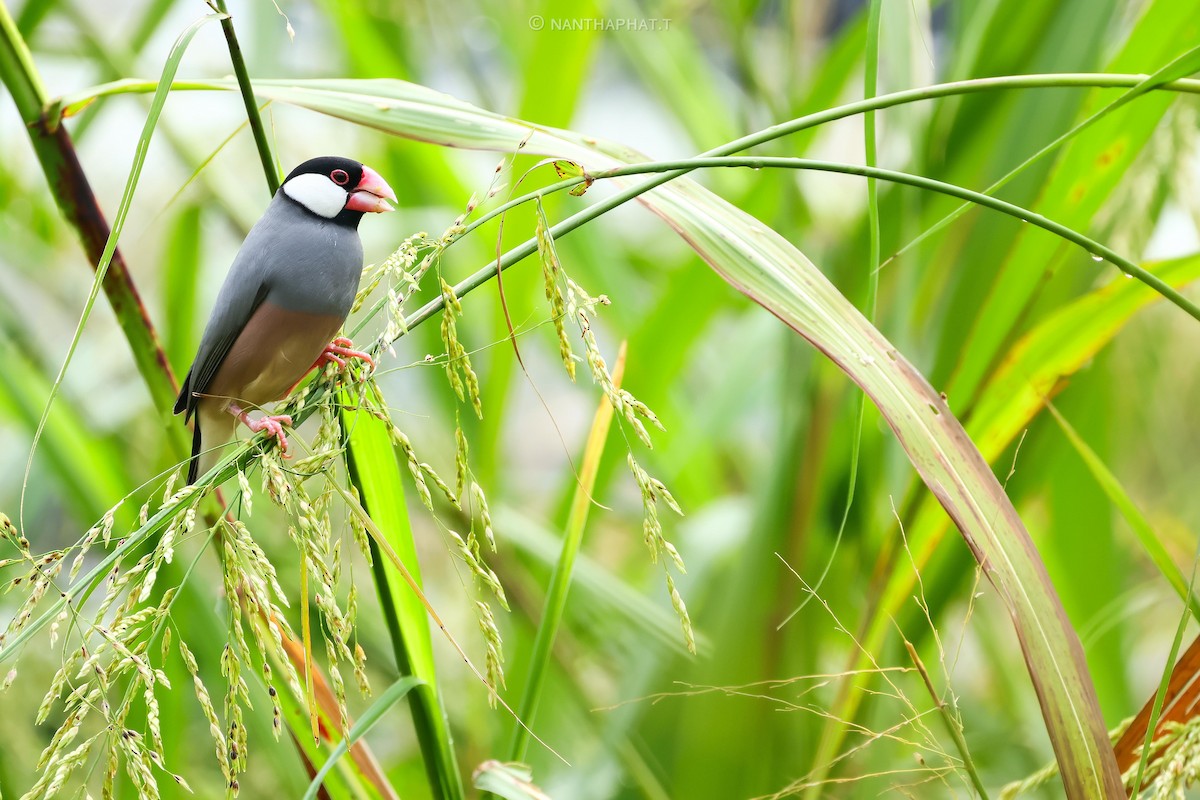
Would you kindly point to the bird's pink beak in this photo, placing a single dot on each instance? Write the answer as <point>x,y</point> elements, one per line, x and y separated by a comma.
<point>372,193</point>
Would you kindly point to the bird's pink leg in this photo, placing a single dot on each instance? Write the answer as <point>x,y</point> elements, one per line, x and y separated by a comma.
<point>339,350</point>
<point>272,424</point>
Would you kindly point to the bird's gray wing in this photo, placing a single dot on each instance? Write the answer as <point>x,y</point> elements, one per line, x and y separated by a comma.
<point>240,296</point>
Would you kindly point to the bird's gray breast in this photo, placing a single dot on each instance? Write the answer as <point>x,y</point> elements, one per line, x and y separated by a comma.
<point>313,265</point>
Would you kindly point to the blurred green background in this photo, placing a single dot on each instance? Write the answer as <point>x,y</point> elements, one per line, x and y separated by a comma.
<point>759,426</point>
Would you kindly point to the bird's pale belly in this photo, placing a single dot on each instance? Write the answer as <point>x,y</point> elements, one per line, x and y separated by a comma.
<point>274,351</point>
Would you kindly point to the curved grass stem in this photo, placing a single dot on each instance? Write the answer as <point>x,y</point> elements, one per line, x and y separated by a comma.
<point>673,169</point>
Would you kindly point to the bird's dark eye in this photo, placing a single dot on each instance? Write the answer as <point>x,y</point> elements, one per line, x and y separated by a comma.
<point>339,177</point>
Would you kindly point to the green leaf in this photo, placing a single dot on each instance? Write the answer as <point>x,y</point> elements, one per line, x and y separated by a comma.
<point>181,265</point>
<point>390,697</point>
<point>512,781</point>
<point>560,580</point>
<point>1137,521</point>
<point>375,473</point>
<point>91,473</point>
<point>567,169</point>
<point>581,189</point>
<point>1061,345</point>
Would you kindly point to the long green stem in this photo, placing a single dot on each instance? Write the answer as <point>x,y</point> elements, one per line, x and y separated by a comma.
<point>1160,694</point>
<point>560,580</point>
<point>1182,66</point>
<point>1053,80</point>
<point>951,723</point>
<point>674,169</point>
<point>870,87</point>
<point>371,465</point>
<point>243,80</point>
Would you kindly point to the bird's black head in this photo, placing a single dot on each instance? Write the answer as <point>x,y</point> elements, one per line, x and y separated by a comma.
<point>338,189</point>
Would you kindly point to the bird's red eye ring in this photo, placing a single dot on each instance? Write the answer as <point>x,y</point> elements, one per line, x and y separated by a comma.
<point>339,177</point>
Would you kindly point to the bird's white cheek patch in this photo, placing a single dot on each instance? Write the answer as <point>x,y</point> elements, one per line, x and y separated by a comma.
<point>317,193</point>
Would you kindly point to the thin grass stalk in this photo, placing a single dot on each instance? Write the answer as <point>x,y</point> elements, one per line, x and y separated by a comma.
<point>951,724</point>
<point>1141,527</point>
<point>1160,695</point>
<point>675,168</point>
<point>870,86</point>
<point>1180,67</point>
<point>823,760</point>
<point>1178,707</point>
<point>390,697</point>
<point>560,580</point>
<point>261,143</point>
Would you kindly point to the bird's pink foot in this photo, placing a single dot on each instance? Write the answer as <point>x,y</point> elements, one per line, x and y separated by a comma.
<point>272,424</point>
<point>339,350</point>
<point>336,352</point>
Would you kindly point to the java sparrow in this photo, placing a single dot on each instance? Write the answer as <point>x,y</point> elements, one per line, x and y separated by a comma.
<point>289,290</point>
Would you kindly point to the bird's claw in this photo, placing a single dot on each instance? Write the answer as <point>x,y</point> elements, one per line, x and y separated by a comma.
<point>339,350</point>
<point>273,425</point>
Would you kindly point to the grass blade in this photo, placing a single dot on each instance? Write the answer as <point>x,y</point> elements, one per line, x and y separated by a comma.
<point>392,695</point>
<point>1130,512</point>
<point>510,781</point>
<point>182,259</point>
<point>560,580</point>
<point>1177,705</point>
<point>1060,346</point>
<point>375,474</point>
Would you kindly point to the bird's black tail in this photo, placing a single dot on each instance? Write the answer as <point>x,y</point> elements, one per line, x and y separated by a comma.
<point>194,462</point>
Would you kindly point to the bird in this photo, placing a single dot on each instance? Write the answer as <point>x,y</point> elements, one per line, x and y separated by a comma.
<point>287,294</point>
